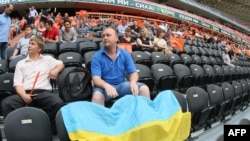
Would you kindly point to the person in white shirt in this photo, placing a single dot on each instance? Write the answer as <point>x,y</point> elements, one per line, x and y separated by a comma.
<point>40,69</point>
<point>121,28</point>
<point>32,14</point>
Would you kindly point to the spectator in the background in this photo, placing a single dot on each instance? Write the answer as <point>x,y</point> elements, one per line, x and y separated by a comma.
<point>160,43</point>
<point>83,29</point>
<point>164,26</point>
<point>127,42</point>
<point>67,34</point>
<point>5,23</point>
<point>134,28</point>
<point>44,15</point>
<point>121,28</point>
<point>32,14</point>
<point>22,45</point>
<point>41,28</point>
<point>51,34</point>
<point>226,58</point>
<point>143,41</point>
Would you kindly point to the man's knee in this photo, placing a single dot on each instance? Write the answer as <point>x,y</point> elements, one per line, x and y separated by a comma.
<point>144,91</point>
<point>98,97</point>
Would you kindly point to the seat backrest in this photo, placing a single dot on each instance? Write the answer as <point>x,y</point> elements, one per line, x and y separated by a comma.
<point>61,129</point>
<point>187,59</point>
<point>174,59</point>
<point>51,48</point>
<point>181,71</point>
<point>27,124</point>
<point>228,90</point>
<point>145,75</point>
<point>13,63</point>
<point>159,57</point>
<point>237,88</point>
<point>87,59</point>
<point>71,59</point>
<point>182,100</point>
<point>197,59</point>
<point>87,46</point>
<point>197,99</point>
<point>68,46</point>
<point>140,57</point>
<point>215,94</point>
<point>3,66</point>
<point>164,76</point>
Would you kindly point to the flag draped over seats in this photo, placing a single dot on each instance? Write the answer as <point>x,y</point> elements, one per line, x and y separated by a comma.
<point>131,118</point>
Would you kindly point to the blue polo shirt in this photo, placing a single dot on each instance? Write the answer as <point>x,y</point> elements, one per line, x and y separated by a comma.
<point>5,23</point>
<point>112,72</point>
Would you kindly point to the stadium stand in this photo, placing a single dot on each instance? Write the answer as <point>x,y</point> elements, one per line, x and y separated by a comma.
<point>213,92</point>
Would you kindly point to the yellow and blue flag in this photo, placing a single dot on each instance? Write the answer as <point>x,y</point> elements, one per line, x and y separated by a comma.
<point>131,118</point>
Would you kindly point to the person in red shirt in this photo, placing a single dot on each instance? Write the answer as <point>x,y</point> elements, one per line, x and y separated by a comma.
<point>51,34</point>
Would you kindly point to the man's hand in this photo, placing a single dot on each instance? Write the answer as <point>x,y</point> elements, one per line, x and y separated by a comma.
<point>111,91</point>
<point>53,74</point>
<point>134,88</point>
<point>27,99</point>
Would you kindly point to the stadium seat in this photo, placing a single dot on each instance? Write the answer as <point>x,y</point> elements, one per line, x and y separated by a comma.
<point>27,124</point>
<point>61,129</point>
<point>145,76</point>
<point>68,47</point>
<point>3,66</point>
<point>6,86</point>
<point>174,59</point>
<point>185,79</point>
<point>187,59</point>
<point>71,59</point>
<point>182,100</point>
<point>238,95</point>
<point>200,76</point>
<point>87,46</point>
<point>245,94</point>
<point>159,57</point>
<point>87,59</point>
<point>197,60</point>
<point>198,105</point>
<point>13,63</point>
<point>206,60</point>
<point>140,57</point>
<point>229,98</point>
<point>212,77</point>
<point>164,77</point>
<point>51,48</point>
<point>216,100</point>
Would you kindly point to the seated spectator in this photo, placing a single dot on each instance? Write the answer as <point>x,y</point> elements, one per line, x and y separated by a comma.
<point>143,41</point>
<point>51,34</point>
<point>160,43</point>
<point>126,39</point>
<point>109,67</point>
<point>22,45</point>
<point>226,58</point>
<point>83,29</point>
<point>41,28</point>
<point>121,28</point>
<point>67,34</point>
<point>46,68</point>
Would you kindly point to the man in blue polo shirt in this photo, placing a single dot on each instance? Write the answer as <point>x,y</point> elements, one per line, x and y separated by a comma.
<point>109,67</point>
<point>5,23</point>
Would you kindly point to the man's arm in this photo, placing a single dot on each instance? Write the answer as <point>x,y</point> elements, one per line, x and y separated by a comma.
<point>54,73</point>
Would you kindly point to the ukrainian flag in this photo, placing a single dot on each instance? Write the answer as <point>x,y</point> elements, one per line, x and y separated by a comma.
<point>131,118</point>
